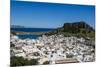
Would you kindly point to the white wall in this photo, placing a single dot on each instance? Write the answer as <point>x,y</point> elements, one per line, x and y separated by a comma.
<point>92,2</point>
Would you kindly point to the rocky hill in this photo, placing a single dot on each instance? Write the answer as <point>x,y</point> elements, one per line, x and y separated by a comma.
<point>75,29</point>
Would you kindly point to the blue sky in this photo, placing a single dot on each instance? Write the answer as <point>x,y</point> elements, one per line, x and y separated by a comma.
<point>49,15</point>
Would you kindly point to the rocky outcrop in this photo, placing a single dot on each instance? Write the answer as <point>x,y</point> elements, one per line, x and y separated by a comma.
<point>77,27</point>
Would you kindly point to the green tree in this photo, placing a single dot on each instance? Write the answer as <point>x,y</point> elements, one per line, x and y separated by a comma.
<point>46,62</point>
<point>20,61</point>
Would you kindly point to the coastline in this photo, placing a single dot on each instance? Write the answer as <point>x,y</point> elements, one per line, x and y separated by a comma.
<point>30,33</point>
<point>69,44</point>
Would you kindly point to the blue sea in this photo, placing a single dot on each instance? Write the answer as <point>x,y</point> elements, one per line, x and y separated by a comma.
<point>31,29</point>
<point>30,36</point>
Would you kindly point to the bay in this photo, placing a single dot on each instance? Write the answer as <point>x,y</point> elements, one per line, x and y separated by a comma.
<point>30,36</point>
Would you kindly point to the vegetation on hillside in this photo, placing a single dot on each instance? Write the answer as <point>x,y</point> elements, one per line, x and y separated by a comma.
<point>20,61</point>
<point>79,29</point>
